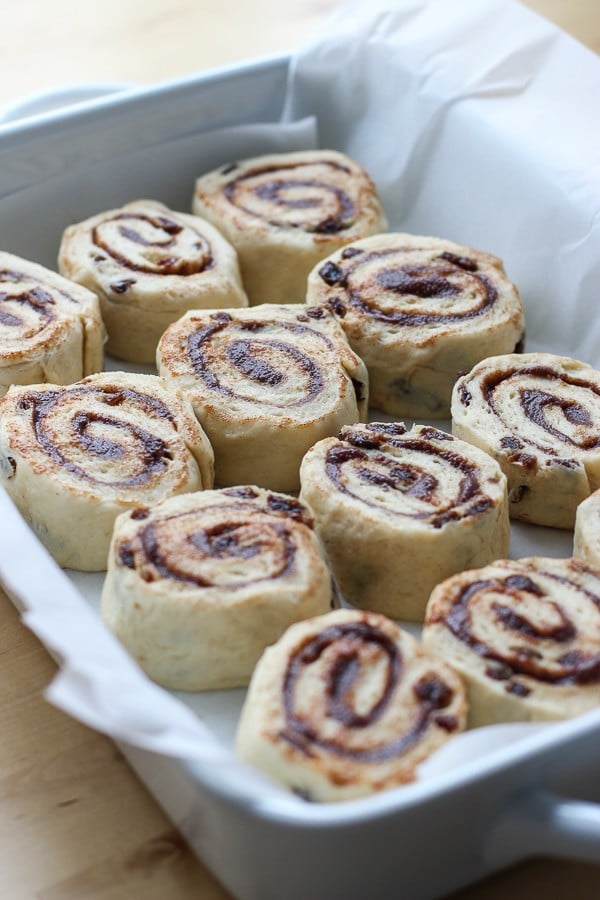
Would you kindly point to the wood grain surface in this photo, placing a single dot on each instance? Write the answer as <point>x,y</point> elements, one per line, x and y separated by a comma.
<point>75,823</point>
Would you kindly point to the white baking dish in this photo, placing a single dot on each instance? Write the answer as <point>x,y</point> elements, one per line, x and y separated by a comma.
<point>481,813</point>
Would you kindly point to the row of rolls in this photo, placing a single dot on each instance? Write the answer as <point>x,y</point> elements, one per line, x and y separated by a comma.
<point>314,508</point>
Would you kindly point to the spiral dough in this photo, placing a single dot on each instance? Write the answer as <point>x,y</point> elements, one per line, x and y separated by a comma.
<point>199,585</point>
<point>72,458</point>
<point>285,212</point>
<point>347,704</point>
<point>265,383</point>
<point>524,634</point>
<point>148,265</point>
<point>418,310</point>
<point>50,328</point>
<point>400,510</point>
<point>538,415</point>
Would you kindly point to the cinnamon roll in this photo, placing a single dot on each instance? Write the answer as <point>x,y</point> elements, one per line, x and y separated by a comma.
<point>400,510</point>
<point>72,458</point>
<point>148,265</point>
<point>586,537</point>
<point>525,636</point>
<point>538,415</point>
<point>50,328</point>
<point>418,310</point>
<point>265,383</point>
<point>347,704</point>
<point>285,212</point>
<point>200,584</point>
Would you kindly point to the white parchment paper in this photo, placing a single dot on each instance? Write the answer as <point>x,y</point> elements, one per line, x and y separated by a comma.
<point>478,121</point>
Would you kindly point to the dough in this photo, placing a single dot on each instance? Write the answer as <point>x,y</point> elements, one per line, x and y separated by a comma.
<point>72,458</point>
<point>525,636</point>
<point>265,383</point>
<point>148,265</point>
<point>418,311</point>
<point>198,585</point>
<point>347,704</point>
<point>586,537</point>
<point>400,510</point>
<point>285,212</point>
<point>538,415</point>
<point>50,328</point>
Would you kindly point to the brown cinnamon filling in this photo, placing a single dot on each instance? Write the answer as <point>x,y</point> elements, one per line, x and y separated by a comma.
<point>153,453</point>
<point>445,276</point>
<point>373,467</point>
<point>263,360</point>
<point>572,667</point>
<point>536,404</point>
<point>175,547</point>
<point>166,240</point>
<point>278,189</point>
<point>339,686</point>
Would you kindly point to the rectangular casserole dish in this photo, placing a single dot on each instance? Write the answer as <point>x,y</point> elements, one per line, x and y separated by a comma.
<point>502,805</point>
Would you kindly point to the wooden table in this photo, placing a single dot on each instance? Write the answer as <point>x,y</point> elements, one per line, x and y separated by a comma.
<point>75,823</point>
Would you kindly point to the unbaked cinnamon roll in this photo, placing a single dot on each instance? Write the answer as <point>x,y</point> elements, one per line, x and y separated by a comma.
<point>285,212</point>
<point>200,584</point>
<point>148,265</point>
<point>347,704</point>
<point>265,383</point>
<point>400,510</point>
<point>50,328</point>
<point>525,636</point>
<point>418,310</point>
<point>538,415</point>
<point>72,458</point>
<point>586,537</point>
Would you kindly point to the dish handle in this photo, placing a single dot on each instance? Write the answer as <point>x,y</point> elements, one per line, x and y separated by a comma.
<point>541,823</point>
<point>55,98</point>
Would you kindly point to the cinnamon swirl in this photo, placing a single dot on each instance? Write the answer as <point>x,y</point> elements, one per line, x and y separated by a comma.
<point>525,636</point>
<point>538,415</point>
<point>265,383</point>
<point>400,510</point>
<point>50,328</point>
<point>200,584</point>
<point>586,537</point>
<point>148,265</point>
<point>347,704</point>
<point>418,310</point>
<point>283,213</point>
<point>72,458</point>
